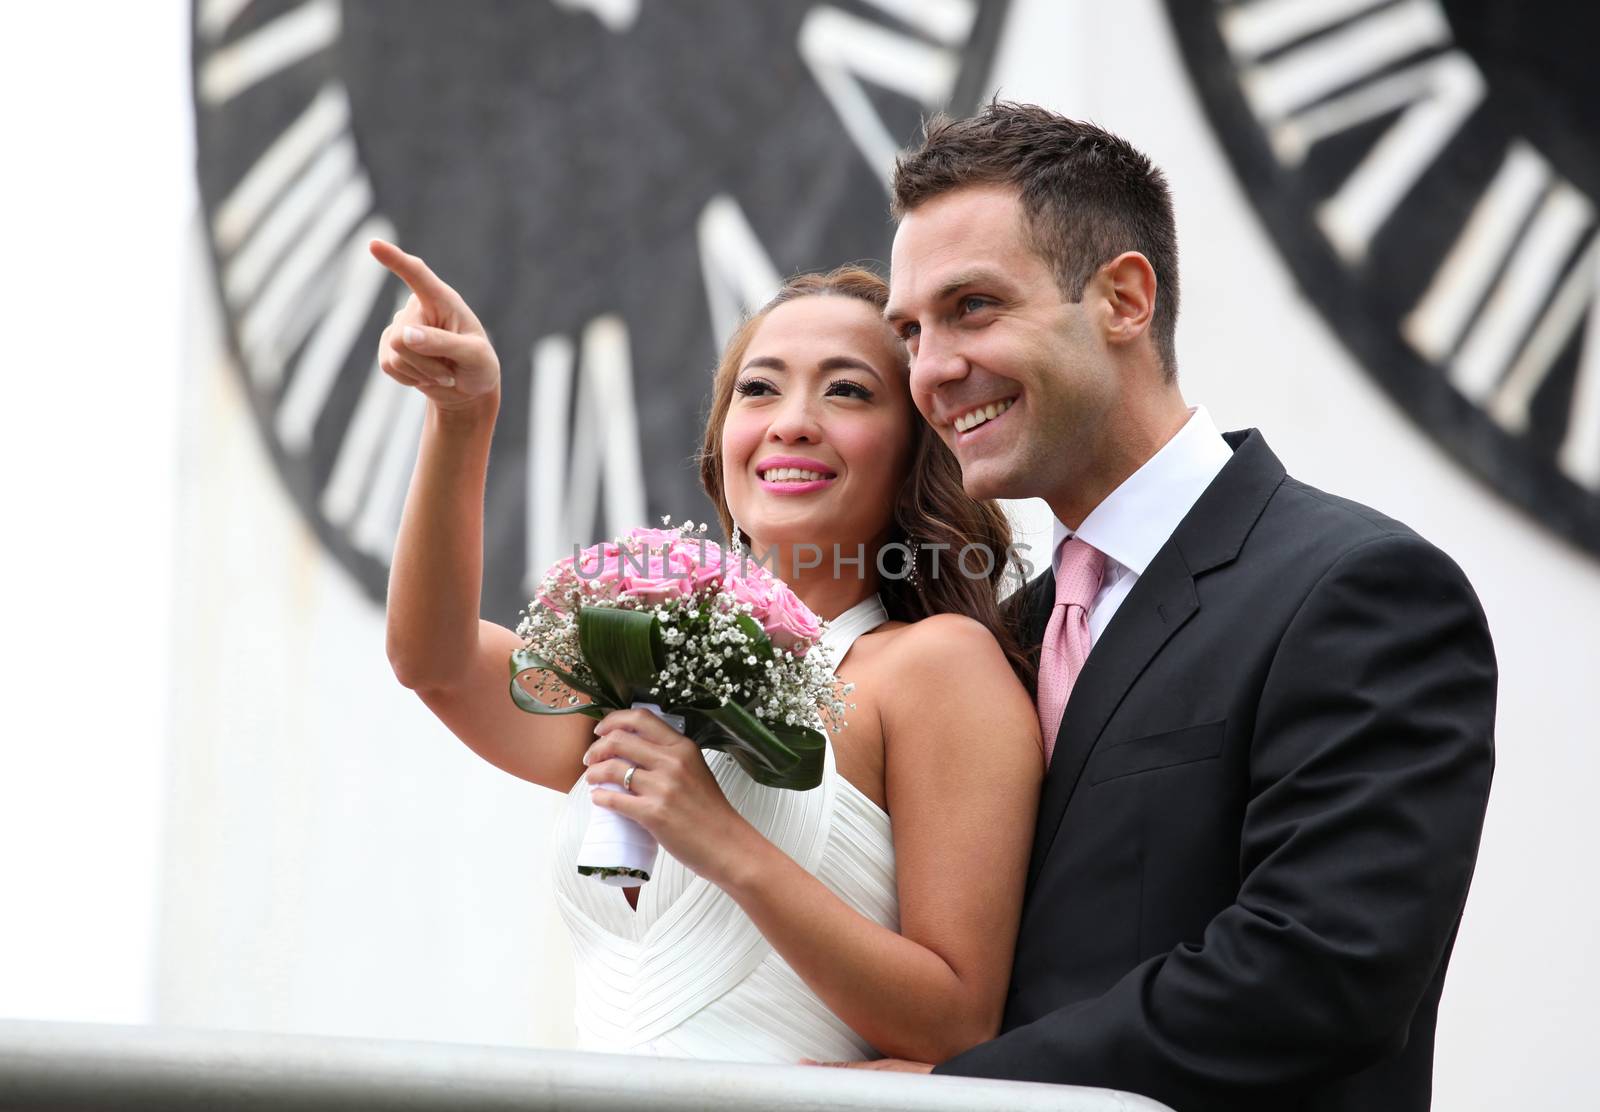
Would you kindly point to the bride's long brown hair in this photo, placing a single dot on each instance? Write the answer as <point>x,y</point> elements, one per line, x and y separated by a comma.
<point>931,509</point>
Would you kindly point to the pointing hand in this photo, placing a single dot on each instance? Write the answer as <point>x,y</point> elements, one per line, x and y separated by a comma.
<point>435,342</point>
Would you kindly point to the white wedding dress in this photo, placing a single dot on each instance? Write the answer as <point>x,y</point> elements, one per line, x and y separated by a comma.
<point>688,974</point>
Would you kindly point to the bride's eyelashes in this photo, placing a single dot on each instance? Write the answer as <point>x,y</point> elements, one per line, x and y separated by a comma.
<point>839,388</point>
<point>846,389</point>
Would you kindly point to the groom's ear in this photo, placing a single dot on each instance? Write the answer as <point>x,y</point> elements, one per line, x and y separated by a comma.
<point>1128,285</point>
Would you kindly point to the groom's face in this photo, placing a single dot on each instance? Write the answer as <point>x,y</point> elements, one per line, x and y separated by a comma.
<point>1013,377</point>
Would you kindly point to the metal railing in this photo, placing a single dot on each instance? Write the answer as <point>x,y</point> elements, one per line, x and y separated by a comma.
<point>46,1067</point>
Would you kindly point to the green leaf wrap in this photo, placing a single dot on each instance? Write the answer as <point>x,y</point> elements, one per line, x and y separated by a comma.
<point>782,757</point>
<point>526,660</point>
<point>624,649</point>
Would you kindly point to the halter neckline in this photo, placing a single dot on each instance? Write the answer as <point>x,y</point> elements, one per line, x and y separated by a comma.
<point>863,617</point>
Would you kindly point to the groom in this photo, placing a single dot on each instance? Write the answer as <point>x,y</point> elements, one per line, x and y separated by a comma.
<point>1268,711</point>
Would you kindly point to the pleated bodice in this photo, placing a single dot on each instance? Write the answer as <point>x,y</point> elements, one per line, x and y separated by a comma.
<point>688,974</point>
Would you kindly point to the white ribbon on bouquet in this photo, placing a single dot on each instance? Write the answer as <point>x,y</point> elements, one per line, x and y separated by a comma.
<point>615,843</point>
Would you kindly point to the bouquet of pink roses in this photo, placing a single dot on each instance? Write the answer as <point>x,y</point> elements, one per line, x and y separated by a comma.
<point>666,619</point>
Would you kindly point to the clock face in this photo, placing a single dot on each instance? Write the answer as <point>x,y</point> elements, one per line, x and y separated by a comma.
<point>609,183</point>
<point>1431,171</point>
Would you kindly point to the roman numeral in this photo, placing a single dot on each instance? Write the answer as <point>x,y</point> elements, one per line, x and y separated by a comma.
<point>1435,327</point>
<point>1337,74</point>
<point>1533,269</point>
<point>1509,298</point>
<point>1579,297</point>
<point>301,289</point>
<point>1332,46</point>
<point>325,120</point>
<point>304,198</point>
<point>738,273</point>
<point>844,50</point>
<point>1579,455</point>
<point>282,232</point>
<point>271,48</point>
<point>367,488</point>
<point>567,471</point>
<point>361,281</point>
<point>1530,263</point>
<point>1523,275</point>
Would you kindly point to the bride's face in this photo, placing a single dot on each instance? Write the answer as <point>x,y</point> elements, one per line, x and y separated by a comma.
<point>818,438</point>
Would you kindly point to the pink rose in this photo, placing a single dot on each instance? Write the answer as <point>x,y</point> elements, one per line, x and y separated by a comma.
<point>709,574</point>
<point>672,566</point>
<point>653,589</point>
<point>599,570</point>
<point>753,589</point>
<point>698,561</point>
<point>650,566</point>
<point>789,623</point>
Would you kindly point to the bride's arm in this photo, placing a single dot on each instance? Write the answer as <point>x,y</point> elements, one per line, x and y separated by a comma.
<point>962,774</point>
<point>437,644</point>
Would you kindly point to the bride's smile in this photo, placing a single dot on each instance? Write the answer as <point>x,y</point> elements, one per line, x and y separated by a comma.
<point>793,475</point>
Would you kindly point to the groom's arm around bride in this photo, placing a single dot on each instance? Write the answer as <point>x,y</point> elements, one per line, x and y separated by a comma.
<point>1248,876</point>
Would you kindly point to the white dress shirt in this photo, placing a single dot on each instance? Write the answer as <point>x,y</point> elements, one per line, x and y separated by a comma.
<point>1137,518</point>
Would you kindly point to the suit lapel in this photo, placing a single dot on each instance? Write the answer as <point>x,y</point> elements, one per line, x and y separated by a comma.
<point>1161,603</point>
<point>1157,607</point>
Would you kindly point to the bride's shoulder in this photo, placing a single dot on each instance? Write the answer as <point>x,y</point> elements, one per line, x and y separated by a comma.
<point>944,677</point>
<point>933,645</point>
<point>938,627</point>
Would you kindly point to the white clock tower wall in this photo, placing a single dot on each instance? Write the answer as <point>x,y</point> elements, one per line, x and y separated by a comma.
<point>336,861</point>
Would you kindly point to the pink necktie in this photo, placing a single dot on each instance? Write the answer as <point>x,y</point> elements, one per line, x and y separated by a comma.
<point>1066,638</point>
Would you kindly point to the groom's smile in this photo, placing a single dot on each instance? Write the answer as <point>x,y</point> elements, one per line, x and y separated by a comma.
<point>982,415</point>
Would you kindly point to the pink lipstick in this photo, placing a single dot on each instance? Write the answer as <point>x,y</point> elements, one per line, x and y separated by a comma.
<point>793,475</point>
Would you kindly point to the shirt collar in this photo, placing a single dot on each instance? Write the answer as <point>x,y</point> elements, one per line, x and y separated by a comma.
<point>1137,518</point>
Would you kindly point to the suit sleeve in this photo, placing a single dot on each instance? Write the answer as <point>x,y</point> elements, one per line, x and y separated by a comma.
<point>1370,767</point>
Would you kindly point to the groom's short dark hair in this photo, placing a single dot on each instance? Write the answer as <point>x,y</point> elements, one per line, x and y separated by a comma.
<point>1089,195</point>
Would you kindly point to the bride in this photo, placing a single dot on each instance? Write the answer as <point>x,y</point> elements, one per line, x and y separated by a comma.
<point>778,925</point>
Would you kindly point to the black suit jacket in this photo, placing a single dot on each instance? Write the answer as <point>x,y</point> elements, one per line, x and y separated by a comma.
<point>1257,831</point>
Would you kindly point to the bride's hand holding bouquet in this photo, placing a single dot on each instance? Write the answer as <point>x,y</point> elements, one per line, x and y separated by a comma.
<point>671,793</point>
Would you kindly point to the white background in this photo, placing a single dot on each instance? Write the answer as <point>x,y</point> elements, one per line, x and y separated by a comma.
<point>217,808</point>
<point>97,197</point>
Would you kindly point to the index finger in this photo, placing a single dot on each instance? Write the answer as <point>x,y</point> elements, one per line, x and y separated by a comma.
<point>431,290</point>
